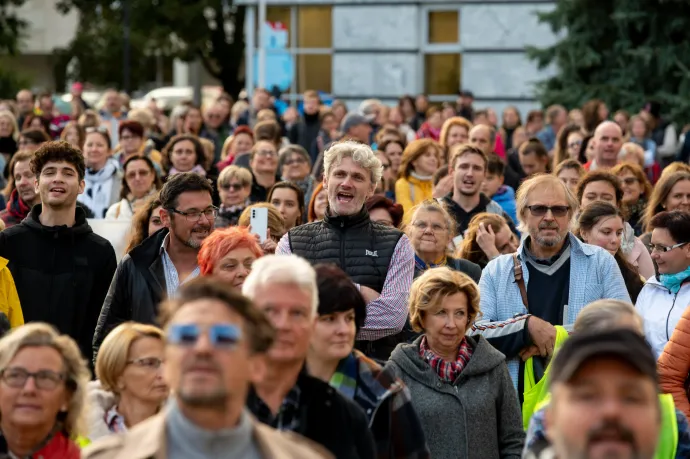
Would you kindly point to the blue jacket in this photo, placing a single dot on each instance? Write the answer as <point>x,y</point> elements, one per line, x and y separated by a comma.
<point>594,275</point>
<point>505,197</point>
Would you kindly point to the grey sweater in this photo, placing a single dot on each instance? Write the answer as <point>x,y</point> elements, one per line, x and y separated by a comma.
<point>188,441</point>
<point>476,417</point>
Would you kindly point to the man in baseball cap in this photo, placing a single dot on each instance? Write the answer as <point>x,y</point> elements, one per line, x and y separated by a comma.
<point>605,400</point>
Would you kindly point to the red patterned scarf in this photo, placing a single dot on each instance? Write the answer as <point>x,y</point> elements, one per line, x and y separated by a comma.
<point>448,371</point>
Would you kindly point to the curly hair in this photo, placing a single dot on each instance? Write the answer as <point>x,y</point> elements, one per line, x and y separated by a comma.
<point>58,151</point>
<point>361,154</point>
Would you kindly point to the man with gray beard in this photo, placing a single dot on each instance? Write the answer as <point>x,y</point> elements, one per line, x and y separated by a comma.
<point>551,277</point>
<point>156,268</point>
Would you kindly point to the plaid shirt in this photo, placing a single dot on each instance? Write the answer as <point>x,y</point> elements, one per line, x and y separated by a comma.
<point>447,370</point>
<point>288,414</point>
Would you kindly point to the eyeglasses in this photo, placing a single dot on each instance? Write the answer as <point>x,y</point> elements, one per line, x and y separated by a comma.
<point>292,161</point>
<point>101,129</point>
<point>266,153</point>
<point>221,336</point>
<point>152,363</point>
<point>664,248</point>
<point>231,186</point>
<point>575,143</point>
<point>630,180</point>
<point>129,137</point>
<point>556,211</point>
<point>134,174</point>
<point>44,379</point>
<point>194,216</point>
<point>435,227</point>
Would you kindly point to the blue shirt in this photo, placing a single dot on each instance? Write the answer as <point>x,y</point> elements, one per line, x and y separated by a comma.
<point>172,279</point>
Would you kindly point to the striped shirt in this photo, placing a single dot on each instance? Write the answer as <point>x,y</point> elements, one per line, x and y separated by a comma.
<point>387,314</point>
<point>172,278</point>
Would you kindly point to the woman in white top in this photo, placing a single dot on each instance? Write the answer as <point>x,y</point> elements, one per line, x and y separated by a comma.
<point>139,183</point>
<point>102,179</point>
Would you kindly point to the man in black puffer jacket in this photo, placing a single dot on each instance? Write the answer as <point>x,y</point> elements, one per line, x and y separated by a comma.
<point>378,259</point>
<point>62,270</point>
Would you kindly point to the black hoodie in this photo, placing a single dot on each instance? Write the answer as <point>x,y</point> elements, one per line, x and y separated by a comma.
<point>62,273</point>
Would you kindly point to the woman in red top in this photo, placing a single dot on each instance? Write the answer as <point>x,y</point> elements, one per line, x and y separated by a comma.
<point>42,391</point>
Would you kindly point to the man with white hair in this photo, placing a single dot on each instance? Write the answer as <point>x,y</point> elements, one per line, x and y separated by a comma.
<point>287,398</point>
<point>547,282</point>
<point>379,259</point>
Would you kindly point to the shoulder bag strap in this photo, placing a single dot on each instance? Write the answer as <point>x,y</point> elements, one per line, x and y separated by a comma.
<point>519,279</point>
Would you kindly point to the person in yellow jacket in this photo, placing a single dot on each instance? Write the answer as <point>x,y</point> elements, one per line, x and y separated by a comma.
<point>601,316</point>
<point>421,159</point>
<point>9,300</point>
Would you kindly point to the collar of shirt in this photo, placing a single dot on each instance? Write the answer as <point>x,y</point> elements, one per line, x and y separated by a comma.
<point>115,421</point>
<point>172,279</point>
<point>286,419</point>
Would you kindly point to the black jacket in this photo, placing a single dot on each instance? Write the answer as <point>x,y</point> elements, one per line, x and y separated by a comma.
<point>305,131</point>
<point>137,289</point>
<point>328,418</point>
<point>458,264</point>
<point>62,273</point>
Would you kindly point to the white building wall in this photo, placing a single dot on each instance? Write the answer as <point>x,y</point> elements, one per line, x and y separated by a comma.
<point>48,29</point>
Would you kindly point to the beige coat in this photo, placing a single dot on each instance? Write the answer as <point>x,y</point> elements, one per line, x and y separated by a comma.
<point>147,440</point>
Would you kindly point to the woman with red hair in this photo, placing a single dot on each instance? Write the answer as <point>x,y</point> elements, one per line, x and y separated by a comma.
<point>228,254</point>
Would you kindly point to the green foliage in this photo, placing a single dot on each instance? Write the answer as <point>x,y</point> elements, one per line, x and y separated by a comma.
<point>11,82</point>
<point>624,52</point>
<point>11,26</point>
<point>211,30</point>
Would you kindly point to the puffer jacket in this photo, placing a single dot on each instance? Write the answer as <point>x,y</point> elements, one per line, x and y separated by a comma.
<point>100,402</point>
<point>661,311</point>
<point>136,290</point>
<point>674,364</point>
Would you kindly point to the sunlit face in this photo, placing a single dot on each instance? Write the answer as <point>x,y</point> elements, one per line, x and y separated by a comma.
<point>183,156</point>
<point>29,408</point>
<point>24,180</point>
<point>679,197</point>
<point>334,336</point>
<point>457,134</point>
<point>96,150</point>
<point>234,192</point>
<point>242,143</point>
<point>187,231</point>
<point>289,309</point>
<point>381,215</point>
<point>632,188</point>
<point>505,240</point>
<point>140,381</point>
<point>427,163</point>
<point>349,185</point>
<point>571,178</point>
<point>598,191</point>
<point>673,261</point>
<point>265,159</point>
<point>59,185</point>
<point>607,410</point>
<point>429,233</point>
<point>296,167</point>
<point>235,266</point>
<point>446,324</point>
<point>606,233</point>
<point>287,203</point>
<point>547,230</point>
<point>470,173</point>
<point>155,222</point>
<point>608,141</point>
<point>139,177</point>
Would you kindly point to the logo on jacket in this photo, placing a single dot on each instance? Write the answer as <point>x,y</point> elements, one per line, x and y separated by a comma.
<point>369,253</point>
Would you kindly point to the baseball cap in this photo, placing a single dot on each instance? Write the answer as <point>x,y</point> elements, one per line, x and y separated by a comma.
<point>351,120</point>
<point>623,344</point>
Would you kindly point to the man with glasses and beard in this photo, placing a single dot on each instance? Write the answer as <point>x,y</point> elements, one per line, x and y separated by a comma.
<point>215,342</point>
<point>605,401</point>
<point>547,282</point>
<point>161,263</point>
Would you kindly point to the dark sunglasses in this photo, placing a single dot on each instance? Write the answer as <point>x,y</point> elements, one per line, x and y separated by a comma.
<point>222,336</point>
<point>232,186</point>
<point>556,211</point>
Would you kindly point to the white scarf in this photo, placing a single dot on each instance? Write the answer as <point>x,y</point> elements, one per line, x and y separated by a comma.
<point>99,187</point>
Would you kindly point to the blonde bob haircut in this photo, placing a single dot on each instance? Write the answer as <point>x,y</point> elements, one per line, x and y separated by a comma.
<point>550,182</point>
<point>360,153</point>
<point>243,175</point>
<point>448,125</point>
<point>113,354</point>
<point>414,150</point>
<point>77,374</point>
<point>429,290</point>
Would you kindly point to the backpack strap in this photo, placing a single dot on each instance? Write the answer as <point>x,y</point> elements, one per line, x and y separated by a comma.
<point>519,279</point>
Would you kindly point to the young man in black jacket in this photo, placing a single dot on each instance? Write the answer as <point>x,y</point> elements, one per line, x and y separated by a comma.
<point>287,397</point>
<point>61,268</point>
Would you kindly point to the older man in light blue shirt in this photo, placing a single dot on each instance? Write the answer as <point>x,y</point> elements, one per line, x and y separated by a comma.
<point>559,274</point>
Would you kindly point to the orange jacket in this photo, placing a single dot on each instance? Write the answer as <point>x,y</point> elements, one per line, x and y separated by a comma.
<point>674,363</point>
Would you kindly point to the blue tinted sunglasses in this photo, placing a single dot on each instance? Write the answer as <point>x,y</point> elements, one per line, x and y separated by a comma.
<point>220,335</point>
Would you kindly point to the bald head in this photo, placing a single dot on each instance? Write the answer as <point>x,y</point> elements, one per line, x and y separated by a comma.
<point>25,101</point>
<point>484,138</point>
<point>608,140</point>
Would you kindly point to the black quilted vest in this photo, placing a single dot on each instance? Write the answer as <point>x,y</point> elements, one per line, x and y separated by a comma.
<point>360,247</point>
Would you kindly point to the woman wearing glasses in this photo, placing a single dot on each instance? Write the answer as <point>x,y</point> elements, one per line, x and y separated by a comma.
<point>295,166</point>
<point>43,380</point>
<point>568,143</point>
<point>666,295</point>
<point>129,386</point>
<point>234,187</point>
<point>139,184</point>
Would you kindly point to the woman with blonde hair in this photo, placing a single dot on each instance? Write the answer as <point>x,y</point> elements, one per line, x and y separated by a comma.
<point>130,386</point>
<point>58,379</point>
<point>487,237</point>
<point>420,160</point>
<point>672,192</point>
<point>451,375</point>
<point>276,225</point>
<point>455,130</point>
<point>636,192</point>
<point>570,172</point>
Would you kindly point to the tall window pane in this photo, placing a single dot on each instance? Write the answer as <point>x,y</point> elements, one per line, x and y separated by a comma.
<point>314,72</point>
<point>442,73</point>
<point>314,27</point>
<point>443,27</point>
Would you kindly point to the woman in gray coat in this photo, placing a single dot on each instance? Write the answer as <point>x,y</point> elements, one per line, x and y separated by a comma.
<point>460,386</point>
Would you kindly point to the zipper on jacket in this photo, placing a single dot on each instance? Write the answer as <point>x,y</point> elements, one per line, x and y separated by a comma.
<point>342,246</point>
<point>668,316</point>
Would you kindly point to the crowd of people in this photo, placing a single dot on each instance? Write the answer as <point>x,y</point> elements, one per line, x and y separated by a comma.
<point>429,283</point>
